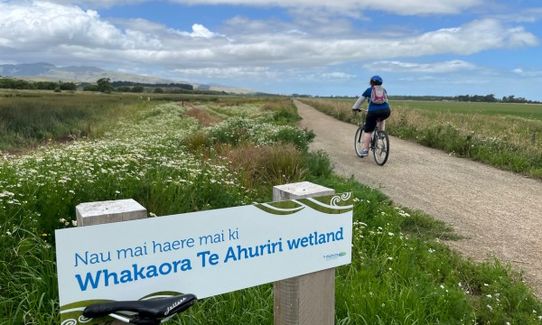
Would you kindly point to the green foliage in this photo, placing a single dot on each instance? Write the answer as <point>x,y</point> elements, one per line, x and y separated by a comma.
<point>170,87</point>
<point>238,130</point>
<point>284,111</point>
<point>400,272</point>
<point>318,164</point>
<point>138,89</point>
<point>8,83</point>
<point>104,85</point>
<point>90,88</point>
<point>67,86</point>
<point>29,278</point>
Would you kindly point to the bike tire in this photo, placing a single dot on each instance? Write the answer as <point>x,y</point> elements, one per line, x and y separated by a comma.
<point>358,142</point>
<point>381,149</point>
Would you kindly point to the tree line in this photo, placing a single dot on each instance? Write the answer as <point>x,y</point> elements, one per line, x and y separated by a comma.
<point>8,83</point>
<point>471,98</point>
<point>104,85</point>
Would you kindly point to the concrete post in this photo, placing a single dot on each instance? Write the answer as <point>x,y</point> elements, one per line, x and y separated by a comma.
<point>96,213</point>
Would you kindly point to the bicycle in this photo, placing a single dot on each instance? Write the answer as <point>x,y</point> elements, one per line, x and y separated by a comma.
<point>380,144</point>
<point>143,312</point>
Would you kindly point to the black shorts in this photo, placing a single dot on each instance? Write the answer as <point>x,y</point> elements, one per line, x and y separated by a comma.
<point>373,117</point>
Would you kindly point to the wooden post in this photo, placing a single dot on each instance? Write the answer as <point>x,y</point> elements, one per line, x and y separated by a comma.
<point>96,213</point>
<point>310,298</point>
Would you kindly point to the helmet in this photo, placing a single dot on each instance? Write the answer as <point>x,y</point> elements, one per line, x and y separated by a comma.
<point>377,80</point>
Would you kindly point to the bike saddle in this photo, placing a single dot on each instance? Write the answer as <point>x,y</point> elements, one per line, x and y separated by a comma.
<point>157,308</point>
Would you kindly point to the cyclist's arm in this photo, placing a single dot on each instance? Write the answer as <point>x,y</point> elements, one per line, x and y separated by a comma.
<point>358,103</point>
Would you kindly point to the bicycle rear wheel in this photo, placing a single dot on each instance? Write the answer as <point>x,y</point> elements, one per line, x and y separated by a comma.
<point>358,141</point>
<point>381,149</point>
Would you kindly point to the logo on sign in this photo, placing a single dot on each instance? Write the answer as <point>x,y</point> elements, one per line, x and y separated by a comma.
<point>334,256</point>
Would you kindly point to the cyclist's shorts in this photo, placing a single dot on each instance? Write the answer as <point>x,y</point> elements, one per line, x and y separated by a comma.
<point>373,117</point>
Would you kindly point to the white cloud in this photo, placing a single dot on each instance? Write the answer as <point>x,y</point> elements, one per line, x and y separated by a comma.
<point>39,25</point>
<point>199,30</point>
<point>66,33</point>
<point>227,72</point>
<point>522,15</point>
<point>435,67</point>
<point>345,7</point>
<point>98,3</point>
<point>337,76</point>
<point>527,74</point>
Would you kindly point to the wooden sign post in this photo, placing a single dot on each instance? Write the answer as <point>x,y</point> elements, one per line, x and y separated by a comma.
<point>300,297</point>
<point>310,298</point>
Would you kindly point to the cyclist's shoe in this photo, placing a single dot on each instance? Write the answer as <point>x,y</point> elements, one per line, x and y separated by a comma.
<point>364,153</point>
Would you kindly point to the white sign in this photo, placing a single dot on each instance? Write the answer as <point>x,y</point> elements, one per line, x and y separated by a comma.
<point>204,253</point>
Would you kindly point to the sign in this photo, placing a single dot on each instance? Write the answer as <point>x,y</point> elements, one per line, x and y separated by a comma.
<point>204,253</point>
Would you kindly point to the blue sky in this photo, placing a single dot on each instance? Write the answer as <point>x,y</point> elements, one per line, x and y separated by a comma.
<point>419,47</point>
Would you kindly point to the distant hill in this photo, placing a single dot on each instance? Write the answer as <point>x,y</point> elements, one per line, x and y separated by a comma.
<point>49,72</point>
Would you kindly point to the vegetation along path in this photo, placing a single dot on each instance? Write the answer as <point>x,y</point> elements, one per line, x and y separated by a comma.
<point>497,212</point>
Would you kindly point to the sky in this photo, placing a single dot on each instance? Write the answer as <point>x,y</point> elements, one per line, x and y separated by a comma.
<point>316,47</point>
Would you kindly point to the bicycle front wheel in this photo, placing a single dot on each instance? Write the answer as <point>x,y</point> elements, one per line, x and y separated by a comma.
<point>381,150</point>
<point>358,141</point>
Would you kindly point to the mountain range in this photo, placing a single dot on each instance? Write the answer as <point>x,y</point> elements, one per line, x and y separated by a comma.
<point>50,72</point>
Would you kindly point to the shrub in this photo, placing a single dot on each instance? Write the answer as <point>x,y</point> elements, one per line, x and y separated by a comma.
<point>283,111</point>
<point>295,136</point>
<point>197,141</point>
<point>237,130</point>
<point>267,165</point>
<point>318,164</point>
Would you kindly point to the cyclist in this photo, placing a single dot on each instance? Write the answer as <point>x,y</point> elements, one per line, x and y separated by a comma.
<point>377,111</point>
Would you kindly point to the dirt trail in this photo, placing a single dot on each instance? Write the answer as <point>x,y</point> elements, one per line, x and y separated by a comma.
<point>499,213</point>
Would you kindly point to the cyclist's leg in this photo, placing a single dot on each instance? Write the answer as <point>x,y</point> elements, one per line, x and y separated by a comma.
<point>381,120</point>
<point>381,125</point>
<point>370,125</point>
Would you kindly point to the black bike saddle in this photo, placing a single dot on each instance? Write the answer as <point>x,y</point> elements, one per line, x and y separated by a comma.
<point>158,308</point>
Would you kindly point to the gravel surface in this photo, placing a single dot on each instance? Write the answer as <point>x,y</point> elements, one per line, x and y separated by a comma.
<point>499,213</point>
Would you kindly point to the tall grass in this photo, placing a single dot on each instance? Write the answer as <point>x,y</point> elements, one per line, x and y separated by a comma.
<point>32,118</point>
<point>143,157</point>
<point>400,273</point>
<point>507,136</point>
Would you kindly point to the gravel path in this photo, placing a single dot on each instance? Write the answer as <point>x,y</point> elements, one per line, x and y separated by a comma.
<point>499,213</point>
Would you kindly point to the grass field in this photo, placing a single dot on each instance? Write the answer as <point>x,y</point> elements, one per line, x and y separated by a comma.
<point>508,136</point>
<point>527,111</point>
<point>28,119</point>
<point>32,118</point>
<point>174,158</point>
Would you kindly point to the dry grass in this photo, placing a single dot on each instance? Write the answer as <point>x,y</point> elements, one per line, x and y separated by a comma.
<point>203,117</point>
<point>516,131</point>
<point>197,141</point>
<point>273,164</point>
